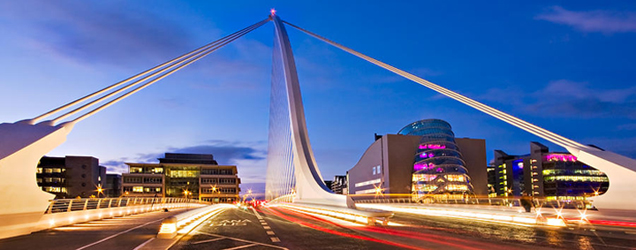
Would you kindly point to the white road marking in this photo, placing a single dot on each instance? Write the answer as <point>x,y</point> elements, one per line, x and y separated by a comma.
<point>274,239</point>
<point>247,241</point>
<point>210,240</point>
<point>143,244</point>
<point>117,234</point>
<point>257,215</point>
<point>270,233</point>
<point>267,227</point>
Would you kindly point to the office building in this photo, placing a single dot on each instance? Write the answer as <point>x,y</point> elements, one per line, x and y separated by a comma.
<point>196,176</point>
<point>339,184</point>
<point>545,174</point>
<point>70,176</point>
<point>112,188</point>
<point>423,159</point>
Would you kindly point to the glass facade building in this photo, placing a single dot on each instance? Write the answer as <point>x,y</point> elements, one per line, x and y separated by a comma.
<point>438,168</point>
<point>545,174</point>
<point>183,175</point>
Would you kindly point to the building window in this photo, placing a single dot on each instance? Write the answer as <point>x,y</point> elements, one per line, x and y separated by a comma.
<point>132,180</point>
<point>226,172</point>
<point>227,181</point>
<point>138,189</point>
<point>208,181</point>
<point>152,180</point>
<point>364,183</point>
<point>39,170</point>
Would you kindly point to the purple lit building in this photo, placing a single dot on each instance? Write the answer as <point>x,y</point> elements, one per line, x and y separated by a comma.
<point>545,174</point>
<point>423,159</point>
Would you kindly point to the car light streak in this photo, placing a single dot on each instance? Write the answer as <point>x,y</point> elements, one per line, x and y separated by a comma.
<point>434,238</point>
<point>322,229</point>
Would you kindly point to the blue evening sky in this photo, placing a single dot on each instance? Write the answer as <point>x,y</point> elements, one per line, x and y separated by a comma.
<point>567,66</point>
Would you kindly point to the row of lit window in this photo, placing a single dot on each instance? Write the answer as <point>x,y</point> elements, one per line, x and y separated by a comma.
<point>50,170</point>
<point>576,178</point>
<point>364,183</point>
<point>218,190</point>
<point>574,171</point>
<point>50,180</point>
<point>55,189</point>
<point>366,191</point>
<point>565,198</point>
<point>140,189</point>
<point>456,187</point>
<point>424,187</point>
<point>148,170</point>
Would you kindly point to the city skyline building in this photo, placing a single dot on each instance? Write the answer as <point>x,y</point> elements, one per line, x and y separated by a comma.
<point>391,164</point>
<point>545,174</point>
<point>196,176</point>
<point>439,167</point>
<point>70,176</point>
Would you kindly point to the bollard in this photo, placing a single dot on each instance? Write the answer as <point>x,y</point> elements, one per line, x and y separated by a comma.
<point>168,228</point>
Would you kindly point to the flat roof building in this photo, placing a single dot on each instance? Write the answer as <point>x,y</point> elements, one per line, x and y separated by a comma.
<point>70,176</point>
<point>196,176</point>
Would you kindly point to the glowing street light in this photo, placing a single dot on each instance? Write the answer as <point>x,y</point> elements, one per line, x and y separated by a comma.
<point>100,190</point>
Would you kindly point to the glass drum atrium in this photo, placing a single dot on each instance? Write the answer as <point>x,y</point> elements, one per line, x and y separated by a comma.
<point>438,170</point>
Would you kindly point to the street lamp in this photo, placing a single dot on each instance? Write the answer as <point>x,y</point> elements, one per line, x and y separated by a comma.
<point>100,190</point>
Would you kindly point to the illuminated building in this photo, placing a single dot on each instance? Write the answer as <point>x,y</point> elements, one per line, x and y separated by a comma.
<point>552,175</point>
<point>439,167</point>
<point>70,176</point>
<point>393,161</point>
<point>196,176</point>
<point>339,184</point>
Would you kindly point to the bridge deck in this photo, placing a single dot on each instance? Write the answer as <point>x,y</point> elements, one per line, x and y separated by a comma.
<point>116,233</point>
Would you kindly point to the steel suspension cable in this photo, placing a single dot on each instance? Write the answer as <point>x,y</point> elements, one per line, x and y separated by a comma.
<point>555,138</point>
<point>188,62</point>
<point>170,62</point>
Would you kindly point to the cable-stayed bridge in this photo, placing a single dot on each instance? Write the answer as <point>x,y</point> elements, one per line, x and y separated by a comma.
<point>293,175</point>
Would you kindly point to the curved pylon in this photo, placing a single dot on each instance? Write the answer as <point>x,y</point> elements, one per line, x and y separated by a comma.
<point>23,202</point>
<point>310,187</point>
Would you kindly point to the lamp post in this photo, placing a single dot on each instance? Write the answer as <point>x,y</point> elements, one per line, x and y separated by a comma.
<point>100,190</point>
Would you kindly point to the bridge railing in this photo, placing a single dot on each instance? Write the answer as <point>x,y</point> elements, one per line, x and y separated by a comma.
<point>489,201</point>
<point>69,205</point>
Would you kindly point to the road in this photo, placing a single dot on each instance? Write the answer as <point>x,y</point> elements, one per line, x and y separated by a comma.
<point>278,228</point>
<point>117,233</point>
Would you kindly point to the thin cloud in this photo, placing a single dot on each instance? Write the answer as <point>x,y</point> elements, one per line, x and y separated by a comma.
<point>96,33</point>
<point>572,99</point>
<point>592,21</point>
<point>249,157</point>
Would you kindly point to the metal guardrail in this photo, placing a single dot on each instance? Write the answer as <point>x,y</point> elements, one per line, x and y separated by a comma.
<point>69,205</point>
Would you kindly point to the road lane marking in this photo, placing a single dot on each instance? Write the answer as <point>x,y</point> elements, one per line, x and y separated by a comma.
<point>210,240</point>
<point>270,233</point>
<point>257,215</point>
<point>143,244</point>
<point>267,227</point>
<point>246,241</point>
<point>117,234</point>
<point>275,239</point>
<point>239,247</point>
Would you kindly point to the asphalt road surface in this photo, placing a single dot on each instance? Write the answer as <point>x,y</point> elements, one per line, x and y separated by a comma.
<point>278,228</point>
<point>109,234</point>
